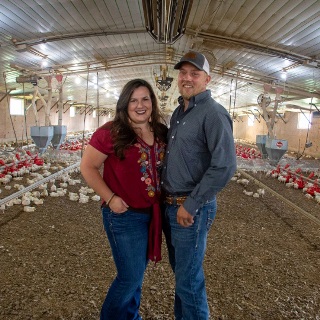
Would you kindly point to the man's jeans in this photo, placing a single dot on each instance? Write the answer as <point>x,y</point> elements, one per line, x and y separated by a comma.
<point>186,247</point>
<point>128,237</point>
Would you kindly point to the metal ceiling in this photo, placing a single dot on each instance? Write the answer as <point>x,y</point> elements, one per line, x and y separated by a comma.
<point>98,45</point>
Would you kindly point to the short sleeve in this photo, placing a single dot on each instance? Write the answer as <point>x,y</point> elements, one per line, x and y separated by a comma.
<point>102,141</point>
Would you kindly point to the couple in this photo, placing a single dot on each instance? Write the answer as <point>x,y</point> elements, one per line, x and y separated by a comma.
<point>187,165</point>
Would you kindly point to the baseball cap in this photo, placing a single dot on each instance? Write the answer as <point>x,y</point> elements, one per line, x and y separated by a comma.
<point>195,58</point>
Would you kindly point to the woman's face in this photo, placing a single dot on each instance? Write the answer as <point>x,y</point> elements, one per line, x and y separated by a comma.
<point>140,106</point>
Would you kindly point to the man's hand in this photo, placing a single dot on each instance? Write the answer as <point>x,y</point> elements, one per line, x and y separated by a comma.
<point>184,218</point>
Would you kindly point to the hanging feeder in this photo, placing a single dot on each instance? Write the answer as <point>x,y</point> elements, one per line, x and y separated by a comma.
<point>42,136</point>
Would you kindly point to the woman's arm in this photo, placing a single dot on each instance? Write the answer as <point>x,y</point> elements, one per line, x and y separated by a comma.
<point>91,162</point>
<point>90,165</point>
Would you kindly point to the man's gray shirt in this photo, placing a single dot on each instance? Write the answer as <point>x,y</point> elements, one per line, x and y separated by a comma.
<point>200,158</point>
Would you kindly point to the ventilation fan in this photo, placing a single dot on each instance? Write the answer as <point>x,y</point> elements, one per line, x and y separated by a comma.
<point>261,97</point>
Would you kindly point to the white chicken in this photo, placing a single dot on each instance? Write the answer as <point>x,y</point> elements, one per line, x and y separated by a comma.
<point>83,198</point>
<point>244,182</point>
<point>25,201</point>
<point>17,201</point>
<point>248,193</point>
<point>44,193</point>
<point>95,198</point>
<point>29,209</point>
<point>37,201</point>
<point>10,203</point>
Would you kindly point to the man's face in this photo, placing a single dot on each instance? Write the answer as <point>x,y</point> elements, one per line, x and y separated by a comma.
<point>191,81</point>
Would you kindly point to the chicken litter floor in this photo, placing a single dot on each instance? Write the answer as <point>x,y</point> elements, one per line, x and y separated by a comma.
<point>262,261</point>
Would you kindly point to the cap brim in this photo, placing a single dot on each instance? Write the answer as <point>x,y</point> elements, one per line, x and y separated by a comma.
<point>178,65</point>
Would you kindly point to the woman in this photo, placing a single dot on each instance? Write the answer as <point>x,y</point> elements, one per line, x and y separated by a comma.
<point>132,150</point>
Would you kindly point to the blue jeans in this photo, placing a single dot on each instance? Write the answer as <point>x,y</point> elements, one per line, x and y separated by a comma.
<point>128,237</point>
<point>186,248</point>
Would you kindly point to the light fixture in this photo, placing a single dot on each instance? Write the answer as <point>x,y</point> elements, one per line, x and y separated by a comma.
<point>44,62</point>
<point>77,80</point>
<point>163,82</point>
<point>166,20</point>
<point>284,75</point>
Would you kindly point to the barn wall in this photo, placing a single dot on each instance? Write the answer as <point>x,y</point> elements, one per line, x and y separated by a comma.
<point>288,131</point>
<point>17,128</point>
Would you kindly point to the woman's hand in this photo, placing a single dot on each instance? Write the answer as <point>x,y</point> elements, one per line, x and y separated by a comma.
<point>117,205</point>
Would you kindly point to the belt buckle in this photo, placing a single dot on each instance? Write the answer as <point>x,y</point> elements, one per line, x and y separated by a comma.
<point>174,201</point>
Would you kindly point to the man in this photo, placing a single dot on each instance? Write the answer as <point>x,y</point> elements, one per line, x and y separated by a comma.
<point>200,160</point>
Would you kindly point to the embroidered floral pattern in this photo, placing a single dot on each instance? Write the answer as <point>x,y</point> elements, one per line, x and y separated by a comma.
<point>150,172</point>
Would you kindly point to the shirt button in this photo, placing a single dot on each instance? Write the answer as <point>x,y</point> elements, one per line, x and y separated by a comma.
<point>161,182</point>
<point>168,151</point>
<point>197,210</point>
<point>172,137</point>
<point>195,104</point>
<point>177,121</point>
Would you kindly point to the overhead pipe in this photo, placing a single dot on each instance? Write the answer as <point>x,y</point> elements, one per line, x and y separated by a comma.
<point>33,42</point>
<point>256,46</point>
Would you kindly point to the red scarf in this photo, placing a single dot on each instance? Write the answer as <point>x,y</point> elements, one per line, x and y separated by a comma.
<point>155,234</point>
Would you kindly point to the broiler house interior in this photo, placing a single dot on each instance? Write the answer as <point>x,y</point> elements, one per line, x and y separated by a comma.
<point>63,64</point>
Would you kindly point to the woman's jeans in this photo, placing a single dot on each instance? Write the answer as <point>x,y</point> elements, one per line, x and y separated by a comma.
<point>128,237</point>
<point>186,247</point>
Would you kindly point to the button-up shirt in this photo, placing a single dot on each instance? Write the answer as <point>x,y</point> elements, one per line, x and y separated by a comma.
<point>200,157</point>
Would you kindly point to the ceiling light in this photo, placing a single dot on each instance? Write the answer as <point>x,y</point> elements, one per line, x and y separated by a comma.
<point>283,75</point>
<point>44,62</point>
<point>163,82</point>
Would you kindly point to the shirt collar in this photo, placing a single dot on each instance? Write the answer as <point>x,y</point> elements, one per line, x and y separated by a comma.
<point>195,99</point>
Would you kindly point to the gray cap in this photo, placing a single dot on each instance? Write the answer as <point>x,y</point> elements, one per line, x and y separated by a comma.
<point>195,58</point>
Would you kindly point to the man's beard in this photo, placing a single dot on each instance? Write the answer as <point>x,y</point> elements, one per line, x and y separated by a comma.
<point>185,95</point>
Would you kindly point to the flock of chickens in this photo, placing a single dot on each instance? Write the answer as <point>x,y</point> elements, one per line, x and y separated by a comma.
<point>306,180</point>
<point>30,179</point>
<point>35,172</point>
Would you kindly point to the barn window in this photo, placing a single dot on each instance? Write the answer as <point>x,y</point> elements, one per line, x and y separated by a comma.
<point>72,112</point>
<point>250,121</point>
<point>16,107</point>
<point>304,120</point>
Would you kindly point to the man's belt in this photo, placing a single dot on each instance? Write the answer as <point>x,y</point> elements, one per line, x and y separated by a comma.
<point>175,200</point>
